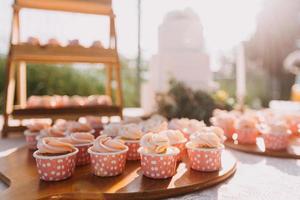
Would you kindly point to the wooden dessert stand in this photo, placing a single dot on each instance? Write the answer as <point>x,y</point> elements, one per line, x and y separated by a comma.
<point>20,54</point>
<point>259,149</point>
<point>19,172</point>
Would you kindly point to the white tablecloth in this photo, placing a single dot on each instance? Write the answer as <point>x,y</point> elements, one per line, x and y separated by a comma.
<point>256,178</point>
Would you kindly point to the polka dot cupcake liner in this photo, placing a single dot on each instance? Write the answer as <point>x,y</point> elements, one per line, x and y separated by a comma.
<point>276,142</point>
<point>247,136</point>
<point>205,160</point>
<point>181,147</point>
<point>83,157</point>
<point>133,147</point>
<point>31,139</point>
<point>55,168</point>
<point>158,166</point>
<point>108,164</point>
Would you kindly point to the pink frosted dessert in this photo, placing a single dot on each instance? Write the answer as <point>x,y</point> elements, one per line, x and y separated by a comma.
<point>82,141</point>
<point>33,130</point>
<point>204,151</point>
<point>131,134</point>
<point>225,121</point>
<point>246,130</point>
<point>55,159</point>
<point>158,157</point>
<point>108,156</point>
<point>186,126</point>
<point>95,123</point>
<point>276,135</point>
<point>52,132</point>
<point>176,139</point>
<point>79,127</point>
<point>154,125</point>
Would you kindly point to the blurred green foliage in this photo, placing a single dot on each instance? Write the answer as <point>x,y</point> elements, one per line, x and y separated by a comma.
<point>45,79</point>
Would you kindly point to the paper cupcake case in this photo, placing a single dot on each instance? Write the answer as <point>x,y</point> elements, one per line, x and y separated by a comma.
<point>83,157</point>
<point>181,147</point>
<point>133,147</point>
<point>55,168</point>
<point>31,139</point>
<point>108,164</point>
<point>159,166</point>
<point>276,142</point>
<point>247,136</point>
<point>205,160</point>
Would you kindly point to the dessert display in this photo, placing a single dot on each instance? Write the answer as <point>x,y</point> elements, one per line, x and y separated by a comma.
<point>131,135</point>
<point>33,130</point>
<point>55,159</point>
<point>176,139</point>
<point>73,43</point>
<point>33,41</point>
<point>246,130</point>
<point>58,101</point>
<point>53,42</point>
<point>82,141</point>
<point>204,150</point>
<point>108,156</point>
<point>158,157</point>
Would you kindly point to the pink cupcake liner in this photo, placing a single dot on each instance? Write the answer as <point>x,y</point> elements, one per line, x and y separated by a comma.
<point>133,147</point>
<point>31,139</point>
<point>205,160</point>
<point>158,166</point>
<point>247,136</point>
<point>83,157</point>
<point>181,147</point>
<point>55,168</point>
<point>108,164</point>
<point>228,131</point>
<point>276,142</point>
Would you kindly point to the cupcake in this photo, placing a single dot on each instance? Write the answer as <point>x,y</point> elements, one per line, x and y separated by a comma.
<point>111,129</point>
<point>186,126</point>
<point>52,132</point>
<point>176,139</point>
<point>82,141</point>
<point>153,125</point>
<point>108,156</point>
<point>204,151</point>
<point>293,121</point>
<point>131,134</point>
<point>95,123</point>
<point>158,157</point>
<point>33,130</point>
<point>55,159</point>
<point>79,127</point>
<point>225,121</point>
<point>276,135</point>
<point>246,130</point>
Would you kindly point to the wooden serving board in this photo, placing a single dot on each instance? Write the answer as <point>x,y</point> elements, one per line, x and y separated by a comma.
<point>293,151</point>
<point>18,171</point>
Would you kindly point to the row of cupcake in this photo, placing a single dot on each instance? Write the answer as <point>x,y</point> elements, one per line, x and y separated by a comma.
<point>158,147</point>
<point>58,101</point>
<point>52,42</point>
<point>274,128</point>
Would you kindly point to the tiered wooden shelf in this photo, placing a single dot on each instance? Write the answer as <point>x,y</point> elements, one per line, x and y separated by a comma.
<point>22,53</point>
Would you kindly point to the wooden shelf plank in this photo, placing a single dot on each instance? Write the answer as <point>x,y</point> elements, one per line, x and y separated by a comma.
<point>52,54</point>
<point>66,112</point>
<point>100,7</point>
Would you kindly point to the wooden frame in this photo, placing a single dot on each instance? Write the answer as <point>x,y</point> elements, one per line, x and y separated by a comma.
<point>20,54</point>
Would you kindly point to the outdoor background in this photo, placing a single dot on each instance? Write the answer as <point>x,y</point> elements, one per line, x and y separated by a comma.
<point>270,30</point>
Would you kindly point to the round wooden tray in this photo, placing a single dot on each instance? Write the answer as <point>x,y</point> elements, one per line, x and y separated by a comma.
<point>293,151</point>
<point>18,171</point>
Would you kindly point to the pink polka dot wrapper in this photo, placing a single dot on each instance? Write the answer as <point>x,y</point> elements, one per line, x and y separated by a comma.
<point>276,142</point>
<point>133,147</point>
<point>31,139</point>
<point>159,166</point>
<point>181,147</point>
<point>205,160</point>
<point>83,157</point>
<point>55,168</point>
<point>247,136</point>
<point>108,164</point>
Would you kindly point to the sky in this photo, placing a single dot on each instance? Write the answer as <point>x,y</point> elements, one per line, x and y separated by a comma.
<point>225,24</point>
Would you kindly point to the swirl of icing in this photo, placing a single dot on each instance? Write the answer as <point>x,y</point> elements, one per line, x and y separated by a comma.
<point>53,132</point>
<point>216,130</point>
<point>186,125</point>
<point>93,121</point>
<point>112,129</point>
<point>105,144</point>
<point>155,143</point>
<point>174,136</point>
<point>130,132</point>
<point>37,126</point>
<point>79,138</point>
<point>53,146</point>
<point>154,126</point>
<point>205,140</point>
<point>79,127</point>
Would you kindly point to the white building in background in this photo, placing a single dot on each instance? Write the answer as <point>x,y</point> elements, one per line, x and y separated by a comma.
<point>180,55</point>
